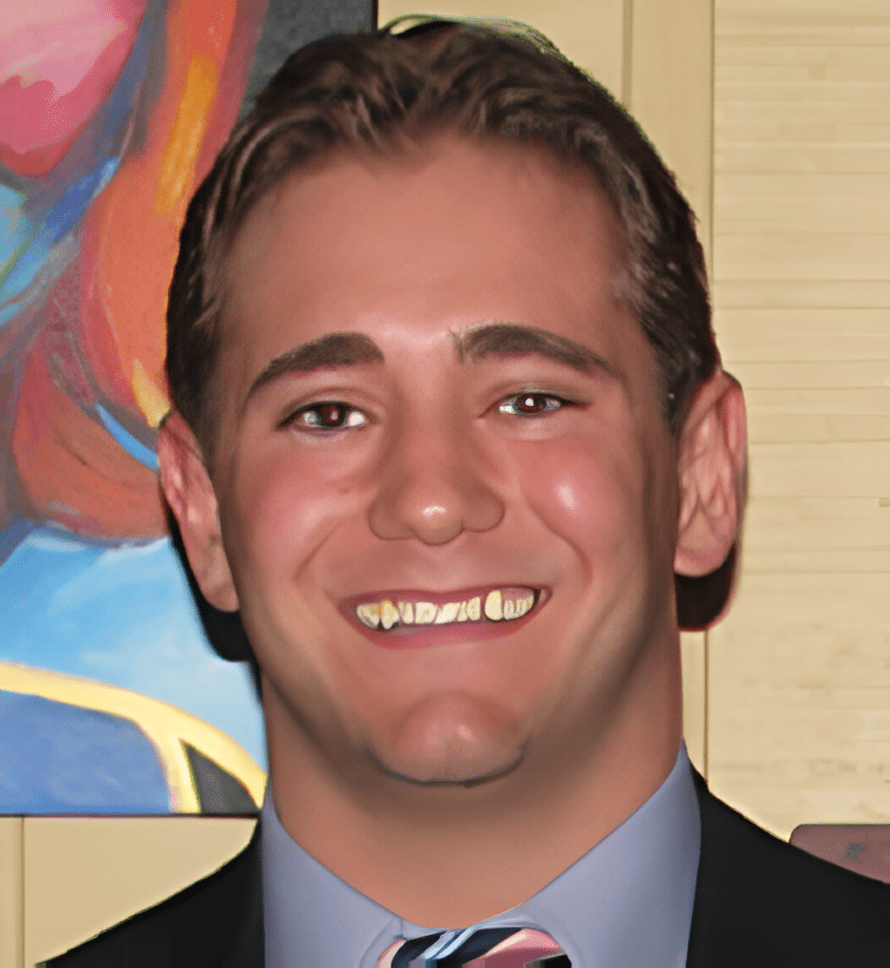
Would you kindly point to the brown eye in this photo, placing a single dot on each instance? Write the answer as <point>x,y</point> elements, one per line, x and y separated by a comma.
<point>531,404</point>
<point>329,416</point>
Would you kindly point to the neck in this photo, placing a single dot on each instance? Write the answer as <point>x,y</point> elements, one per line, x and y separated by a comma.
<point>493,845</point>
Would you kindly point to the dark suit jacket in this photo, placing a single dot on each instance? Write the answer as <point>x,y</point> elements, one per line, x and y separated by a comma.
<point>759,903</point>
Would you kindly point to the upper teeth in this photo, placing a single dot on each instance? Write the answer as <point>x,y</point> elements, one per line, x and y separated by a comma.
<point>497,607</point>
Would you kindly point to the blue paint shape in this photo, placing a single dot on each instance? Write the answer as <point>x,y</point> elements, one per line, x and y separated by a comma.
<point>61,218</point>
<point>26,266</point>
<point>16,229</point>
<point>133,446</point>
<point>14,534</point>
<point>120,103</point>
<point>8,311</point>
<point>61,758</point>
<point>15,226</point>
<point>121,614</point>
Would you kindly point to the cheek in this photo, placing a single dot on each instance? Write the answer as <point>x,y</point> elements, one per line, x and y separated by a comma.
<point>587,502</point>
<point>284,514</point>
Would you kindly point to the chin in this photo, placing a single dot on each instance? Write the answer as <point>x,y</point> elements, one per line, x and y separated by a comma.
<point>450,771</point>
<point>452,741</point>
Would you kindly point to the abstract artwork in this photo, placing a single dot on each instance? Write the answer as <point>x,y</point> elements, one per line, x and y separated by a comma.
<point>111,111</point>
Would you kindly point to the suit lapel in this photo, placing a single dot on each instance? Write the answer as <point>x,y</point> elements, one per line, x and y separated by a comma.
<point>218,922</point>
<point>761,903</point>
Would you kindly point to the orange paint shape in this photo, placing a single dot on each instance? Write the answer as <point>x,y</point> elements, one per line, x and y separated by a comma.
<point>131,236</point>
<point>72,471</point>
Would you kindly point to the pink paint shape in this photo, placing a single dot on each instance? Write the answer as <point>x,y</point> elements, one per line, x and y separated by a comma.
<point>59,60</point>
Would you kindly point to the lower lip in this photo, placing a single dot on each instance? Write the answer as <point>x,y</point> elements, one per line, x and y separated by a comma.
<point>428,636</point>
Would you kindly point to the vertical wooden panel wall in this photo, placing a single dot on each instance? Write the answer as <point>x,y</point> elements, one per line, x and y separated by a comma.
<point>799,717</point>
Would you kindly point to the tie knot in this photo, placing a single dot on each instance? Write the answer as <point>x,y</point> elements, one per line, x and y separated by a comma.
<point>477,948</point>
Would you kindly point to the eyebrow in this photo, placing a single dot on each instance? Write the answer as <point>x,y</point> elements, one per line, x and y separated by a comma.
<point>332,349</point>
<point>506,338</point>
<point>473,346</point>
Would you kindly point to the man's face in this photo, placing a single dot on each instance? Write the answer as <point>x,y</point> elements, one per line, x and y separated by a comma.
<point>447,496</point>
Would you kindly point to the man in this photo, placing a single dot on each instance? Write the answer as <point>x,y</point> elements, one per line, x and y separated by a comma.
<point>449,418</point>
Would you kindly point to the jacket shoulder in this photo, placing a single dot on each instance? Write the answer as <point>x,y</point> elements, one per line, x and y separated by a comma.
<point>216,922</point>
<point>761,902</point>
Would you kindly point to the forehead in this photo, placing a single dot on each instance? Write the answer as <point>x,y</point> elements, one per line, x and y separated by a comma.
<point>470,176</point>
<point>434,237</point>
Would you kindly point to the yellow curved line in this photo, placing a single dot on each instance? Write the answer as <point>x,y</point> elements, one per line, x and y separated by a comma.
<point>163,723</point>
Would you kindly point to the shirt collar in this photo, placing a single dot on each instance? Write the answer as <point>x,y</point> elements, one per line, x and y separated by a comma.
<point>627,903</point>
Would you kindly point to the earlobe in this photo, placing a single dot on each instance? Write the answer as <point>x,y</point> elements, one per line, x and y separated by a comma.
<point>189,493</point>
<point>713,476</point>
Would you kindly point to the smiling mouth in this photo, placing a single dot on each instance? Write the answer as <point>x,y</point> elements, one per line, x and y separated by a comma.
<point>504,604</point>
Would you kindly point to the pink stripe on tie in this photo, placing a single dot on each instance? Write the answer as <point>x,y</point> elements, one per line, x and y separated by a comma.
<point>517,950</point>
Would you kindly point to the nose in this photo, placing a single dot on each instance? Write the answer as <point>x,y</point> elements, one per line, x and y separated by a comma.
<point>432,486</point>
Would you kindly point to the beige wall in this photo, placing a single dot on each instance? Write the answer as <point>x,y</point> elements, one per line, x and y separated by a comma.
<point>799,715</point>
<point>65,879</point>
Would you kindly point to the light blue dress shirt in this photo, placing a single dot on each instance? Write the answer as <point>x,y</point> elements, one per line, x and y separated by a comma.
<point>627,903</point>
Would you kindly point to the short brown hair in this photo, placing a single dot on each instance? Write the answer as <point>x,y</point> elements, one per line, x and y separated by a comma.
<point>484,80</point>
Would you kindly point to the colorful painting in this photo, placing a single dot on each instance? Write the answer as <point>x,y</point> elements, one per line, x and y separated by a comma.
<point>110,113</point>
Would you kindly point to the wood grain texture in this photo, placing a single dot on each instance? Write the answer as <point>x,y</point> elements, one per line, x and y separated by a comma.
<point>800,700</point>
<point>671,92</point>
<point>799,674</point>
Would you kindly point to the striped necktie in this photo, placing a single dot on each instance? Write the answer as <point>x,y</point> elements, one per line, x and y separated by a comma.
<point>477,948</point>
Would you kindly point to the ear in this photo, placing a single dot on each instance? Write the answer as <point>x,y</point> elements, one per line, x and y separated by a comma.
<point>189,492</point>
<point>713,464</point>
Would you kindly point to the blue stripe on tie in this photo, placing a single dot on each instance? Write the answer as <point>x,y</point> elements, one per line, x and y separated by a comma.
<point>433,953</point>
<point>449,947</point>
